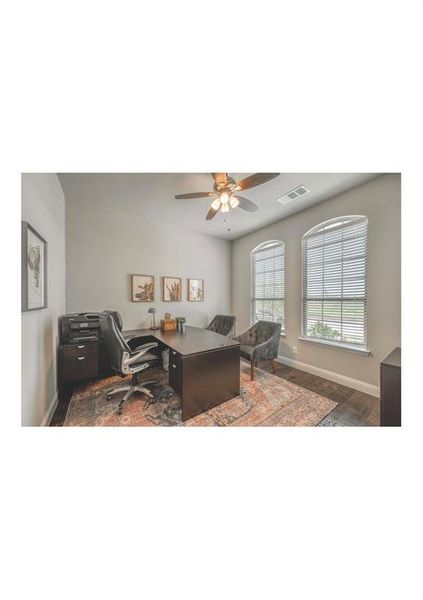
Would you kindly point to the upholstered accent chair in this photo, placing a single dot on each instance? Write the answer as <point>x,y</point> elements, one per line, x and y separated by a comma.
<point>223,324</point>
<point>260,343</point>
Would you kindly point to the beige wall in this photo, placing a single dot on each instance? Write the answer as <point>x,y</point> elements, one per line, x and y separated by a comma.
<point>43,206</point>
<point>380,201</point>
<point>104,247</point>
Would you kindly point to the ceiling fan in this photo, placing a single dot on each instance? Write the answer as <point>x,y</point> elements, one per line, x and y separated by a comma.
<point>225,189</point>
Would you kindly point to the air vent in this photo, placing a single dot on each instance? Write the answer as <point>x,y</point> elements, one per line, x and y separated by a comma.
<point>295,193</point>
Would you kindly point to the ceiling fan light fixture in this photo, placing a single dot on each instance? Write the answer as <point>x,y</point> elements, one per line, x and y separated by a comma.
<point>215,204</point>
<point>224,198</point>
<point>223,189</point>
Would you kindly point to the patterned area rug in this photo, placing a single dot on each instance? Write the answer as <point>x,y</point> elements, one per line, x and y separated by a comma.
<point>267,401</point>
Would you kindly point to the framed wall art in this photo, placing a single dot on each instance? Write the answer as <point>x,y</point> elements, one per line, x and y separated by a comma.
<point>195,290</point>
<point>34,269</point>
<point>142,288</point>
<point>172,289</point>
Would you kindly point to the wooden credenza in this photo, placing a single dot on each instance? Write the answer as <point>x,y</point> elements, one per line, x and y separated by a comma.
<point>390,390</point>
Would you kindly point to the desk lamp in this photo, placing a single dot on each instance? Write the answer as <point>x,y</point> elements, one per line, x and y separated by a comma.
<point>153,312</point>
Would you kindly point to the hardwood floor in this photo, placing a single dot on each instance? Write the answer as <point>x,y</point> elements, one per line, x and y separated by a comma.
<point>354,408</point>
<point>59,414</point>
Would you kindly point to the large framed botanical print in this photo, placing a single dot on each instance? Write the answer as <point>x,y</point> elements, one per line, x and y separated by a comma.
<point>34,269</point>
<point>142,288</point>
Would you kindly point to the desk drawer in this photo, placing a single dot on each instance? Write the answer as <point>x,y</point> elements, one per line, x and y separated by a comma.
<point>176,372</point>
<point>78,362</point>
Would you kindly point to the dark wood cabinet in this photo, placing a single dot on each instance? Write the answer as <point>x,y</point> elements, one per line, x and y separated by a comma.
<point>390,390</point>
<point>204,380</point>
<point>176,372</point>
<point>78,362</point>
<point>208,379</point>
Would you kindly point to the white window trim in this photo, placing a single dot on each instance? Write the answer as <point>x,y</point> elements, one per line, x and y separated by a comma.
<point>252,281</point>
<point>337,345</point>
<point>363,350</point>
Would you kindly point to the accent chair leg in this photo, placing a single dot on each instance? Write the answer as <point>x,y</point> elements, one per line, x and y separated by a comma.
<point>252,370</point>
<point>273,365</point>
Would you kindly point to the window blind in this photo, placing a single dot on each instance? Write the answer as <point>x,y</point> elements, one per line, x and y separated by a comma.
<point>268,282</point>
<point>335,281</point>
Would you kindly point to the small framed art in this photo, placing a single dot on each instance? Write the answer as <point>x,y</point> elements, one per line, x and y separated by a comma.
<point>172,289</point>
<point>195,290</point>
<point>34,269</point>
<point>142,288</point>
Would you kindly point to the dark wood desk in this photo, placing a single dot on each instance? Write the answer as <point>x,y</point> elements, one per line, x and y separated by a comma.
<point>204,367</point>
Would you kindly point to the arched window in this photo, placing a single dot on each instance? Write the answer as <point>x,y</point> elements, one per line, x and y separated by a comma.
<point>268,282</point>
<point>335,282</point>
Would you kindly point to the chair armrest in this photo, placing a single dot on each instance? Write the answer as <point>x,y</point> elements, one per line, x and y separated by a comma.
<point>263,351</point>
<point>141,350</point>
<point>243,338</point>
<point>133,343</point>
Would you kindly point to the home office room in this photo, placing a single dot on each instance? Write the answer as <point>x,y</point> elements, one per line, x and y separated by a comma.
<point>211,299</point>
<point>212,236</point>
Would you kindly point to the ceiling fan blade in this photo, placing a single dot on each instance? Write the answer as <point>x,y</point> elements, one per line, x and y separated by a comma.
<point>195,195</point>
<point>256,179</point>
<point>220,178</point>
<point>246,204</point>
<point>212,213</point>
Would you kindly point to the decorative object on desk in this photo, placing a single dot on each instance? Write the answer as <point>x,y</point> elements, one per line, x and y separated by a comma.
<point>172,289</point>
<point>195,290</point>
<point>167,323</point>
<point>153,311</point>
<point>34,269</point>
<point>142,288</point>
<point>180,321</point>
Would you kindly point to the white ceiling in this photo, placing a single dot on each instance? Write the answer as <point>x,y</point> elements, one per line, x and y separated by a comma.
<point>151,196</point>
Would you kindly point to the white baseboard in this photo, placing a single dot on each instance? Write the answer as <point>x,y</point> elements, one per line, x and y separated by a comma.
<point>356,384</point>
<point>50,411</point>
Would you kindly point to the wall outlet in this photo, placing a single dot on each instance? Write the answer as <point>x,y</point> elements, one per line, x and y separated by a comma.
<point>294,349</point>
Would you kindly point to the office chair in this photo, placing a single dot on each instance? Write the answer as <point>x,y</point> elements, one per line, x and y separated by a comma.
<point>132,342</point>
<point>223,324</point>
<point>117,318</point>
<point>125,361</point>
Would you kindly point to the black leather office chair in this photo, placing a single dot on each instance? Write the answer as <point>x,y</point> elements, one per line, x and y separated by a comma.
<point>223,324</point>
<point>117,318</point>
<point>125,361</point>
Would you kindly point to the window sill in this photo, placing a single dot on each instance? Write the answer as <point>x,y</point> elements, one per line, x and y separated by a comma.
<point>335,345</point>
